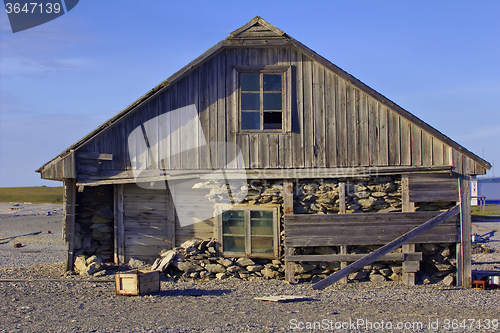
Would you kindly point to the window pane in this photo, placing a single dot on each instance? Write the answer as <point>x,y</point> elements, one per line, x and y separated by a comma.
<point>262,245</point>
<point>250,101</point>
<point>250,120</point>
<point>261,223</point>
<point>233,244</point>
<point>272,120</point>
<point>272,101</point>
<point>272,82</point>
<point>250,82</point>
<point>233,222</point>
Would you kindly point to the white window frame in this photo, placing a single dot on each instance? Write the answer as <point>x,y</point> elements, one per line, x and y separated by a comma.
<point>220,208</point>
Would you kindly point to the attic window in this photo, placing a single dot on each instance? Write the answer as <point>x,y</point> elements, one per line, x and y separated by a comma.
<point>263,100</point>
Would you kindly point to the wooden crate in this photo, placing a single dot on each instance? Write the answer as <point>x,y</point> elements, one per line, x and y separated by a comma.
<point>137,282</point>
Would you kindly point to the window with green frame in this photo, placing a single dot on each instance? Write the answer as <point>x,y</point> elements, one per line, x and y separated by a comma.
<point>249,231</point>
<point>262,101</point>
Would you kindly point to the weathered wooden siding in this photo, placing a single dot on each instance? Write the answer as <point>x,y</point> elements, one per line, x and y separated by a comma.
<point>151,220</point>
<point>147,222</point>
<point>334,123</point>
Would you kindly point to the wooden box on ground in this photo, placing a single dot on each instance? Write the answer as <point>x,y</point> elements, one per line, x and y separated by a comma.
<point>137,282</point>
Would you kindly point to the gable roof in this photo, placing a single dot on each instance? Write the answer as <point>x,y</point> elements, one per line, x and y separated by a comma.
<point>258,32</point>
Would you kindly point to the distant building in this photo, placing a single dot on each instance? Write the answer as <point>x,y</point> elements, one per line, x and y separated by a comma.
<point>489,188</point>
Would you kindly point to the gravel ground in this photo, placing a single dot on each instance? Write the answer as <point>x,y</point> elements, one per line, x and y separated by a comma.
<point>43,248</point>
<point>75,304</point>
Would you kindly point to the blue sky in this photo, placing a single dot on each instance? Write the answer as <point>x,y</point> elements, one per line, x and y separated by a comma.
<point>58,81</point>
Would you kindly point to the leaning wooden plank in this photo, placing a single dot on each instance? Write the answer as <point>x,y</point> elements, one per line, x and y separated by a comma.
<point>283,298</point>
<point>387,248</point>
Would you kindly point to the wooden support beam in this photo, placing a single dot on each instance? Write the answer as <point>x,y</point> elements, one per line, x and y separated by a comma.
<point>122,177</point>
<point>119,229</point>
<point>288,197</point>
<point>69,199</point>
<point>342,209</point>
<point>288,210</point>
<point>387,248</point>
<point>407,206</point>
<point>464,276</point>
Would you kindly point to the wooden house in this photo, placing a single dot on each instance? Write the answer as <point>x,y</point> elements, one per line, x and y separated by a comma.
<point>314,143</point>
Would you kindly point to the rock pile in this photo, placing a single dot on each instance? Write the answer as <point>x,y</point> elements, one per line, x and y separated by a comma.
<point>92,265</point>
<point>197,259</point>
<point>94,222</point>
<point>439,263</point>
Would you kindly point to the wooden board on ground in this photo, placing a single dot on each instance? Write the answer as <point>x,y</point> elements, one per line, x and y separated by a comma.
<point>283,298</point>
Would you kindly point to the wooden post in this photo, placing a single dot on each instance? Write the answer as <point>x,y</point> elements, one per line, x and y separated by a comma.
<point>288,210</point>
<point>464,274</point>
<point>407,206</point>
<point>69,199</point>
<point>372,257</point>
<point>119,230</point>
<point>342,209</point>
<point>171,217</point>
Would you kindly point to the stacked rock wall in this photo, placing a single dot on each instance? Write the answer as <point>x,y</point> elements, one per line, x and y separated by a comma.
<point>369,195</point>
<point>94,222</point>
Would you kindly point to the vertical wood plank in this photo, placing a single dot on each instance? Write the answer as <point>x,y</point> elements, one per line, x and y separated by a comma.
<point>330,127</point>
<point>164,131</point>
<point>276,150</point>
<point>244,144</point>
<point>363,129</point>
<point>426,149</point>
<point>340,116</point>
<point>416,145</point>
<point>222,127</point>
<point>119,230</point>
<point>171,216</point>
<point>213,128</point>
<point>153,134</point>
<point>457,161</point>
<point>318,82</point>
<point>204,152</point>
<point>342,205</point>
<point>289,266</point>
<point>447,159</point>
<point>309,156</point>
<point>343,264</point>
<point>405,142</point>
<point>69,206</point>
<point>394,138</point>
<point>407,206</point>
<point>383,154</point>
<point>186,136</point>
<point>196,135</point>
<point>373,132</point>
<point>263,142</point>
<point>297,150</point>
<point>175,133</point>
<point>254,151</point>
<point>342,210</point>
<point>351,124</point>
<point>286,141</point>
<point>231,107</point>
<point>465,274</point>
<point>437,152</point>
